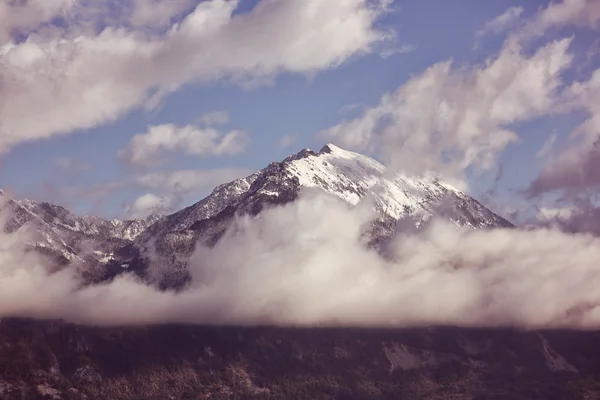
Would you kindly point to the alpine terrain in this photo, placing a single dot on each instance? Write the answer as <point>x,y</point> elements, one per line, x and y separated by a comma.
<point>103,248</point>
<point>85,242</point>
<point>350,176</point>
<point>58,360</point>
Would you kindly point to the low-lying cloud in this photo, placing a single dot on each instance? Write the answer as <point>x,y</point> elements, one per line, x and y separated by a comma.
<point>306,264</point>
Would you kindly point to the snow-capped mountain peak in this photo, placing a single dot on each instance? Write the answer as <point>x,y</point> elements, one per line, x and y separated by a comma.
<point>353,177</point>
<point>350,176</point>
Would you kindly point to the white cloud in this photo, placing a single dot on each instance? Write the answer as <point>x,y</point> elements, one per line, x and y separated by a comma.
<point>147,204</point>
<point>83,80</point>
<point>173,186</point>
<point>157,13</point>
<point>575,168</point>
<point>184,181</point>
<point>319,273</point>
<point>547,146</point>
<point>503,22</point>
<point>350,108</point>
<point>72,164</point>
<point>148,149</point>
<point>22,16</point>
<point>286,141</point>
<point>214,118</point>
<point>448,119</point>
<point>558,14</point>
<point>170,185</point>
<point>549,213</point>
<point>403,49</point>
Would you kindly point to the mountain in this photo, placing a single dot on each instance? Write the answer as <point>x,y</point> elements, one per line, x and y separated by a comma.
<point>106,248</point>
<point>57,360</point>
<point>85,241</point>
<point>348,175</point>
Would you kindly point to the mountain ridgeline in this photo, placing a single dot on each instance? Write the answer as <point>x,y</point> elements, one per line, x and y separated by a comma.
<point>349,176</point>
<point>105,248</point>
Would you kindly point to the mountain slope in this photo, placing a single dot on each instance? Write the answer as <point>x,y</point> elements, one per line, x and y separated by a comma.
<point>113,247</point>
<point>67,237</point>
<point>350,176</point>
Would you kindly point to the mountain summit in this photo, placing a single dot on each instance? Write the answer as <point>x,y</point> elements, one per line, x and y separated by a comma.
<point>169,240</point>
<point>350,176</point>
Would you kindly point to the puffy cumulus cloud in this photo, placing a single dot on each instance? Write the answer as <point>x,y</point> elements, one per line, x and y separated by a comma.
<point>147,204</point>
<point>147,149</point>
<point>320,273</point>
<point>448,118</point>
<point>98,77</point>
<point>502,22</point>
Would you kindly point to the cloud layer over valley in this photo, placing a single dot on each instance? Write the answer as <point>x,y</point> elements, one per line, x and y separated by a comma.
<point>307,263</point>
<point>321,273</point>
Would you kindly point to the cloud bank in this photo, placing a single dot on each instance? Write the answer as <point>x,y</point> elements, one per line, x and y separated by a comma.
<point>306,263</point>
<point>320,274</point>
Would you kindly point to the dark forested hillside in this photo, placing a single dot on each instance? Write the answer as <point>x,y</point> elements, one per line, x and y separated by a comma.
<point>54,360</point>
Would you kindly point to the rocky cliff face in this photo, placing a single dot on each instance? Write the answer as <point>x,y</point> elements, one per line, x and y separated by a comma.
<point>350,176</point>
<point>107,248</point>
<point>115,246</point>
<point>85,241</point>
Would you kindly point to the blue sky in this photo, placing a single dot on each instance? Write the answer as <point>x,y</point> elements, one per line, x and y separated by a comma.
<point>77,164</point>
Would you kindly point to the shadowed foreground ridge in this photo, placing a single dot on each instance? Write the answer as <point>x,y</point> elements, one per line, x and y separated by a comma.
<point>55,360</point>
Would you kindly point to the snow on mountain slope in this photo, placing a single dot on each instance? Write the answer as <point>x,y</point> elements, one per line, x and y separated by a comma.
<point>169,240</point>
<point>221,197</point>
<point>60,233</point>
<point>350,176</point>
<point>353,177</point>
